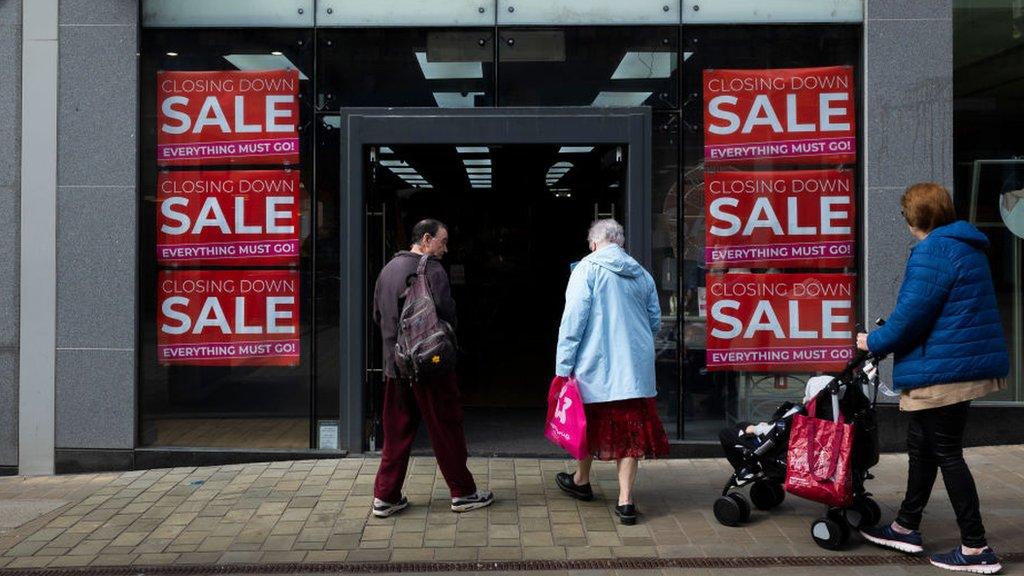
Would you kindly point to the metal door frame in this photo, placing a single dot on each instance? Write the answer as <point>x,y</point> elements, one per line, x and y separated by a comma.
<point>361,127</point>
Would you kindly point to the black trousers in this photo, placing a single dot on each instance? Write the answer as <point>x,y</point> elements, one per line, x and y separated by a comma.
<point>935,441</point>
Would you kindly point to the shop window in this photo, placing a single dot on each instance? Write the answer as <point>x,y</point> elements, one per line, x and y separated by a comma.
<point>226,238</point>
<point>988,96</point>
<point>665,217</point>
<point>757,124</point>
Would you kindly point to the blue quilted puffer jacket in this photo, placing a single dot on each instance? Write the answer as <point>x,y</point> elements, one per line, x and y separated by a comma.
<point>946,325</point>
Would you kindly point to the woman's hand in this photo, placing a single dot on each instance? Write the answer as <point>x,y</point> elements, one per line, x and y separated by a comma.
<point>862,342</point>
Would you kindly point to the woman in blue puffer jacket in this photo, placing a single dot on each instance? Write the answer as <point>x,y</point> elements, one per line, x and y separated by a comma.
<point>948,345</point>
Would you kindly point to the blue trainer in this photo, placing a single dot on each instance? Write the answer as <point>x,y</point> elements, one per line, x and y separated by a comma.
<point>985,563</point>
<point>885,536</point>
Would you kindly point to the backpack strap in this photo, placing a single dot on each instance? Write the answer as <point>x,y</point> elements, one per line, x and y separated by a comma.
<point>421,271</point>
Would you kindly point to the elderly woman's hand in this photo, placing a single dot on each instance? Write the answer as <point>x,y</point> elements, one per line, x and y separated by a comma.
<point>862,342</point>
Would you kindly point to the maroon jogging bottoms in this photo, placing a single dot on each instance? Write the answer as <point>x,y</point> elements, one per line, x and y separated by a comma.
<point>436,400</point>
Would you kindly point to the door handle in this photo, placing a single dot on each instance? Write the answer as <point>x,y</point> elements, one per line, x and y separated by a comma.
<point>381,215</point>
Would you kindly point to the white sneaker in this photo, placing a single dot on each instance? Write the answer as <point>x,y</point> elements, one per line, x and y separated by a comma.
<point>481,499</point>
<point>382,509</point>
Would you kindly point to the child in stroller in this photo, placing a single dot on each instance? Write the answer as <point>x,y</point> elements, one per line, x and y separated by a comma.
<point>757,453</point>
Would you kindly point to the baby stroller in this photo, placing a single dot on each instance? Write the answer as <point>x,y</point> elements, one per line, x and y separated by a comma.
<point>759,459</point>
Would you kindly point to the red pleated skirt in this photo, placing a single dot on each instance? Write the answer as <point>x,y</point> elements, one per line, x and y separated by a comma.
<point>625,429</point>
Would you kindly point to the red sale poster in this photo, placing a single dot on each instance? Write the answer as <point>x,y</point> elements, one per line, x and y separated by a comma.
<point>789,219</point>
<point>206,118</point>
<point>236,218</point>
<point>781,116</point>
<point>228,318</point>
<point>780,322</point>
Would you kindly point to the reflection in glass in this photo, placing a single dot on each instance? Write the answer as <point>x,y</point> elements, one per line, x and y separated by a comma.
<point>589,66</point>
<point>405,67</point>
<point>665,265</point>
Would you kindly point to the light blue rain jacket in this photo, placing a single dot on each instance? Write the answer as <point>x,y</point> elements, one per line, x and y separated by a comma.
<point>607,334</point>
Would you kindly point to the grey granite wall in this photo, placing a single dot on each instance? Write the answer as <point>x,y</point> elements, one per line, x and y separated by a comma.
<point>908,129</point>
<point>10,191</point>
<point>96,211</point>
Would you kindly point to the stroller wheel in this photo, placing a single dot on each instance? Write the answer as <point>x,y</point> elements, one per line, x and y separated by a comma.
<point>743,504</point>
<point>766,495</point>
<point>829,533</point>
<point>863,513</point>
<point>732,510</point>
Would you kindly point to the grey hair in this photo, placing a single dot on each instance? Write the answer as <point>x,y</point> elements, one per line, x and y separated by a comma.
<point>607,230</point>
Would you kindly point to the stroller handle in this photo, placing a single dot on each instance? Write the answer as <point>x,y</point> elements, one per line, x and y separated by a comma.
<point>858,360</point>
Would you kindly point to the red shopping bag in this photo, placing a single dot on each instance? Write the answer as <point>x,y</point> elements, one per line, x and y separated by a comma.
<point>818,461</point>
<point>567,423</point>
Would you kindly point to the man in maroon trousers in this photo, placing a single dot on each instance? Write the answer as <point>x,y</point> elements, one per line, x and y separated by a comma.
<point>433,398</point>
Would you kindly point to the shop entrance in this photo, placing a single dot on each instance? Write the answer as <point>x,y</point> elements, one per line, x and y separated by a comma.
<point>518,191</point>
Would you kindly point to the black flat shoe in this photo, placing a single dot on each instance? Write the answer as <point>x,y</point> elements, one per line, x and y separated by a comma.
<point>626,513</point>
<point>566,483</point>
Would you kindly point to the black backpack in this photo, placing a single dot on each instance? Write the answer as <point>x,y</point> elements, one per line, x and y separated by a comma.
<point>426,343</point>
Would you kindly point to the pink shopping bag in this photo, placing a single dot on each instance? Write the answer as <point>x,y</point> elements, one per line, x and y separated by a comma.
<point>818,461</point>
<point>567,423</point>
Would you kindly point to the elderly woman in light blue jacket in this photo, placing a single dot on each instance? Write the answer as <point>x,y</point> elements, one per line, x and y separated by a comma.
<point>606,340</point>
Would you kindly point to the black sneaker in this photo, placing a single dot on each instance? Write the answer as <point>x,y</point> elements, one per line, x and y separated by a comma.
<point>626,513</point>
<point>885,536</point>
<point>985,563</point>
<point>566,483</point>
<point>481,499</point>
<point>382,509</point>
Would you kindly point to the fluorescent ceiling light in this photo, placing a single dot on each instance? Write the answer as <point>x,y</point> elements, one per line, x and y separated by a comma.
<point>687,55</point>
<point>575,149</point>
<point>637,65</point>
<point>456,99</point>
<point>476,161</point>
<point>383,149</point>
<point>562,164</point>
<point>172,53</point>
<point>426,186</point>
<point>393,163</point>
<point>479,176</point>
<point>480,185</point>
<point>448,70</point>
<point>472,149</point>
<point>483,170</point>
<point>276,53</point>
<point>263,62</point>
<point>406,170</point>
<point>625,99</point>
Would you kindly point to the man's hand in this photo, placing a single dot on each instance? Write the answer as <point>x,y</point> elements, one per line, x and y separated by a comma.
<point>862,342</point>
